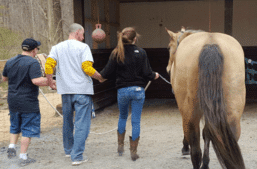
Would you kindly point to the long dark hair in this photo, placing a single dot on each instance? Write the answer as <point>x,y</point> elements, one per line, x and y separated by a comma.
<point>126,36</point>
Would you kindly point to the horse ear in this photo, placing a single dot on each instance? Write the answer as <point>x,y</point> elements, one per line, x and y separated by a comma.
<point>183,29</point>
<point>172,35</point>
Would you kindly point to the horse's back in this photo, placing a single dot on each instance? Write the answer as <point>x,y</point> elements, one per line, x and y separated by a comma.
<point>233,75</point>
<point>233,81</point>
<point>190,48</point>
<point>185,74</point>
<point>185,79</point>
<point>209,79</point>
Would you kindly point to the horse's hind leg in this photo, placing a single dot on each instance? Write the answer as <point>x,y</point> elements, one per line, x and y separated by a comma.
<point>192,138</point>
<point>194,141</point>
<point>206,158</point>
<point>234,123</point>
<point>185,149</point>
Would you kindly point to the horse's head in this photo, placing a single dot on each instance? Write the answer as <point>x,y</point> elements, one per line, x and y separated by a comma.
<point>173,45</point>
<point>175,40</point>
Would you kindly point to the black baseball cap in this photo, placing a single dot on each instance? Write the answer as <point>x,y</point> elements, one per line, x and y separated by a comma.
<point>29,44</point>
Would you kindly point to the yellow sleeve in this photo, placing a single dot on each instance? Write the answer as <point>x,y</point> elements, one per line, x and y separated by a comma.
<point>50,65</point>
<point>87,66</point>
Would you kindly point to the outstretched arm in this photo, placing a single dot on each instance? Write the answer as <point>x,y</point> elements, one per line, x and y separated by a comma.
<point>87,66</point>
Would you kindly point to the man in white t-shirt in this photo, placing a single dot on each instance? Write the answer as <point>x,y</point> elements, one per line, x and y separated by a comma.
<point>73,60</point>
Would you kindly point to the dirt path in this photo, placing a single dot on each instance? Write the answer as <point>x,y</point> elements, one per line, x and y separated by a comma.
<point>48,120</point>
<point>159,146</point>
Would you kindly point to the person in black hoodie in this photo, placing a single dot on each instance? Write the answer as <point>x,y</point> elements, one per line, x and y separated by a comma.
<point>130,66</point>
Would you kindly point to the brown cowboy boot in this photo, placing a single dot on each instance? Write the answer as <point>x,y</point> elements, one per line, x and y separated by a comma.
<point>121,142</point>
<point>133,148</point>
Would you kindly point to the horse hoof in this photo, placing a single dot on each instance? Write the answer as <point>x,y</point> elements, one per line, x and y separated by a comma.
<point>185,152</point>
<point>205,167</point>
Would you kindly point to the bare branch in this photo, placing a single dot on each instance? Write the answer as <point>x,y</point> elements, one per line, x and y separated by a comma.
<point>43,35</point>
<point>56,3</point>
<point>42,10</point>
<point>57,28</point>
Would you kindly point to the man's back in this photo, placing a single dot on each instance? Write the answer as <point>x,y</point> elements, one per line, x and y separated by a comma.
<point>22,93</point>
<point>70,77</point>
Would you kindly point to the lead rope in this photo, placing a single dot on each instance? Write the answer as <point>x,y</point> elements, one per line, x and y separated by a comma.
<point>148,84</point>
<point>127,118</point>
<point>164,79</point>
<point>49,102</point>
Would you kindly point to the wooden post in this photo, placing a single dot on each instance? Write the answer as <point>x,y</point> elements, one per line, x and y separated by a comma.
<point>228,22</point>
<point>50,22</point>
<point>33,20</point>
<point>107,25</point>
<point>94,15</point>
<point>118,14</point>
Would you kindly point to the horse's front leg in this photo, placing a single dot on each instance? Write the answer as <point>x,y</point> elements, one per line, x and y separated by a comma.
<point>185,149</point>
<point>206,158</point>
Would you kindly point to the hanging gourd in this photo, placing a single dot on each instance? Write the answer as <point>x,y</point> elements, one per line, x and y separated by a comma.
<point>98,34</point>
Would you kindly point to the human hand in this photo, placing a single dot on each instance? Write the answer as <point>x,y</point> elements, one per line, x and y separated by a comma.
<point>156,75</point>
<point>102,80</point>
<point>53,84</point>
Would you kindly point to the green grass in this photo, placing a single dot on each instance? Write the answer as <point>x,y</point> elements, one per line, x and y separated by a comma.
<point>4,86</point>
<point>10,43</point>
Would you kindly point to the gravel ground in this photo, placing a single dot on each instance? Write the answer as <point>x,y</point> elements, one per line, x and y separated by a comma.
<point>159,146</point>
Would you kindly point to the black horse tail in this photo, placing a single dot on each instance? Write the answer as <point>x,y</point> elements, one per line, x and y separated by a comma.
<point>211,100</point>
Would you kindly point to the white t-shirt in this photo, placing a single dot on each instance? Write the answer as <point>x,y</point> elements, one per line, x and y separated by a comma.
<point>70,77</point>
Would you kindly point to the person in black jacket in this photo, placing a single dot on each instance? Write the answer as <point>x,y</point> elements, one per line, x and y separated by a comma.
<point>130,67</point>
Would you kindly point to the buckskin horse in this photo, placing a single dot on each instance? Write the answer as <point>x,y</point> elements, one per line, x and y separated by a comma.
<point>207,73</point>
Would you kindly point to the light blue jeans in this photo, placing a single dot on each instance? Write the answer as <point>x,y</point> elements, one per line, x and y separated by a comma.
<point>74,140</point>
<point>134,96</point>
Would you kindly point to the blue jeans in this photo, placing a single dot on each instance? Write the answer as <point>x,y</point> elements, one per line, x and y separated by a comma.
<point>74,140</point>
<point>134,96</point>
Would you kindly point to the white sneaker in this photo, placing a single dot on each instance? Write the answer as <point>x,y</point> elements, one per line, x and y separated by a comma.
<point>67,155</point>
<point>74,163</point>
<point>23,163</point>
